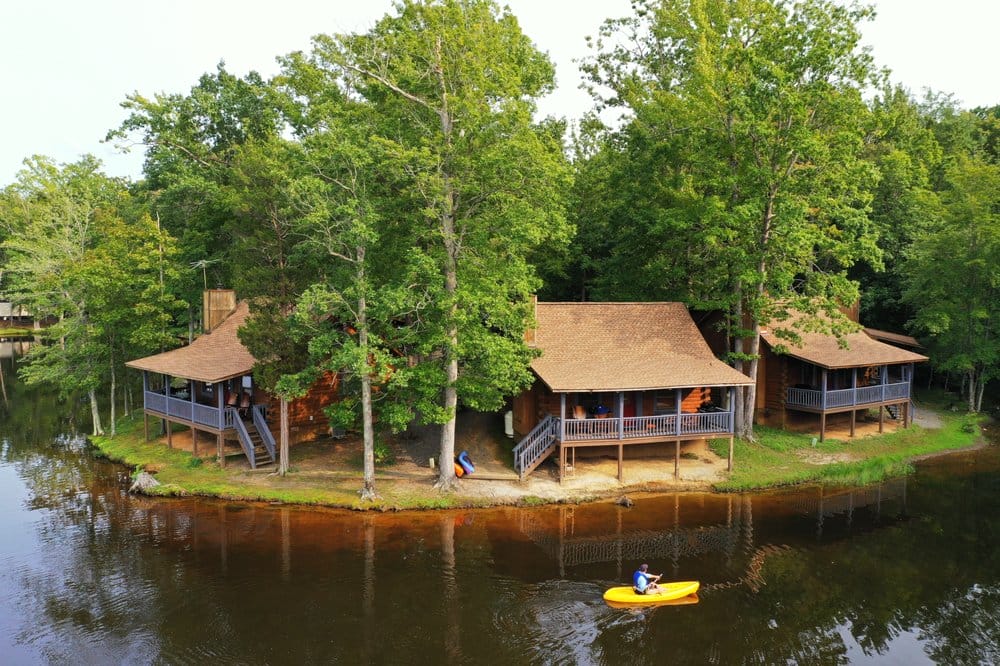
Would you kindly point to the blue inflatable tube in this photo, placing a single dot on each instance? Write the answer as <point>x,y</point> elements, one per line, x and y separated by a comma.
<point>465,462</point>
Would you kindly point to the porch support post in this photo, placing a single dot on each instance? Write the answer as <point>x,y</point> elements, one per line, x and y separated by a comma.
<point>621,424</point>
<point>220,399</point>
<point>220,445</point>
<point>562,461</point>
<point>194,440</point>
<point>677,400</point>
<point>854,386</point>
<point>677,459</point>
<point>170,431</point>
<point>732,409</point>
<point>730,467</point>
<point>884,375</point>
<point>620,452</point>
<point>881,415</point>
<point>822,426</point>
<point>562,421</point>
<point>824,389</point>
<point>854,416</point>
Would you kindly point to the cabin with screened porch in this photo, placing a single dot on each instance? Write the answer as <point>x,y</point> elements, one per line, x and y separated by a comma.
<point>617,379</point>
<point>208,387</point>
<point>822,375</point>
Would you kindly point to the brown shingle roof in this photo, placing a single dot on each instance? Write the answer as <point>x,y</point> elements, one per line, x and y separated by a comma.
<point>895,338</point>
<point>212,357</point>
<point>624,347</point>
<point>826,351</point>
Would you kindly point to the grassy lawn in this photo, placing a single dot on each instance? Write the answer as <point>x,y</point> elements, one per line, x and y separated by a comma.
<point>180,473</point>
<point>780,458</point>
<point>15,332</point>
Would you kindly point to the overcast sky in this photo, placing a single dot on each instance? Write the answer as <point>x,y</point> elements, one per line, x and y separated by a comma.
<point>68,64</point>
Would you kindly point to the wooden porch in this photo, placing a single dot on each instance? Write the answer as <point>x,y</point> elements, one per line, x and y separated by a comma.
<point>224,419</point>
<point>887,393</point>
<point>567,434</point>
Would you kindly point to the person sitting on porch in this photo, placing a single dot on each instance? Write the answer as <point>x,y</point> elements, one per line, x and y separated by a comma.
<point>579,412</point>
<point>601,411</point>
<point>233,399</point>
<point>644,582</point>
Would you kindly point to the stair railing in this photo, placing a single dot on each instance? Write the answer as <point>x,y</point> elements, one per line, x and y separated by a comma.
<point>244,437</point>
<point>260,422</point>
<point>535,443</point>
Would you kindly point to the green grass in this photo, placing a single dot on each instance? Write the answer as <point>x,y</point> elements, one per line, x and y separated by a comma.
<point>15,332</point>
<point>781,458</point>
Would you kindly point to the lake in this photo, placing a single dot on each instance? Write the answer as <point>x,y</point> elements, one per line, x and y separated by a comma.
<point>905,572</point>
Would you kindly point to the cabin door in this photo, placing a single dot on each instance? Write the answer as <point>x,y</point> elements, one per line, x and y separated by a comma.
<point>628,406</point>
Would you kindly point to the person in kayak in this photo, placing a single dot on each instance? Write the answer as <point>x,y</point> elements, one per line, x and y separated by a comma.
<point>644,582</point>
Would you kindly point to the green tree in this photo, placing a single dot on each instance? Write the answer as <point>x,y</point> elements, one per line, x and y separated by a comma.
<point>953,277</point>
<point>453,85</point>
<point>101,276</point>
<point>750,117</point>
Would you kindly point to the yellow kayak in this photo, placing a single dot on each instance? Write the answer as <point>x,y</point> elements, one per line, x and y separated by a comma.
<point>667,592</point>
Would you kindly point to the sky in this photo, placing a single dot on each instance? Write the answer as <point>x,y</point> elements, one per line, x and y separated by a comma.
<point>68,64</point>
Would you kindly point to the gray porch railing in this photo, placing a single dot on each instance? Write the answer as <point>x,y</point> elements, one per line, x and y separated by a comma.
<point>861,396</point>
<point>638,427</point>
<point>535,443</point>
<point>260,422</point>
<point>244,436</point>
<point>192,412</point>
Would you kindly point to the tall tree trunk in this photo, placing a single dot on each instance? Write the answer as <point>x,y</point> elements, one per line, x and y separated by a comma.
<point>95,413</point>
<point>972,388</point>
<point>283,437</point>
<point>749,403</point>
<point>738,362</point>
<point>979,395</point>
<point>446,476</point>
<point>368,425</point>
<point>114,399</point>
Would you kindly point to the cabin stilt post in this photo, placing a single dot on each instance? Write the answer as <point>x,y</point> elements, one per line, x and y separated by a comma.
<point>677,460</point>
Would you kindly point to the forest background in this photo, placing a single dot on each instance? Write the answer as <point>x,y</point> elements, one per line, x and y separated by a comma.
<point>389,202</point>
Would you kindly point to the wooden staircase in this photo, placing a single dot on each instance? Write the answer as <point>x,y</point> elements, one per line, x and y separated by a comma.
<point>536,447</point>
<point>255,437</point>
<point>262,456</point>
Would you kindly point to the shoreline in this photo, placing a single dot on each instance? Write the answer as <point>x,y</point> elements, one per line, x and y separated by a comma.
<point>770,463</point>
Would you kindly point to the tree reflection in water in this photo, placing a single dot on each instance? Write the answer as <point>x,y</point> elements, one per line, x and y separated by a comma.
<point>909,570</point>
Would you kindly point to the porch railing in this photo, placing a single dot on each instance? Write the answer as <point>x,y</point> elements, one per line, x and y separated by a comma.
<point>638,427</point>
<point>192,412</point>
<point>244,436</point>
<point>260,422</point>
<point>861,396</point>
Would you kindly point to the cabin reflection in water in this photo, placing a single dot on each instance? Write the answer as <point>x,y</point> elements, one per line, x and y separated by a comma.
<point>720,529</point>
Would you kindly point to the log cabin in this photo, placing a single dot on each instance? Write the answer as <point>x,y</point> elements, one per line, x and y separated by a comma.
<point>208,387</point>
<point>821,374</point>
<point>616,375</point>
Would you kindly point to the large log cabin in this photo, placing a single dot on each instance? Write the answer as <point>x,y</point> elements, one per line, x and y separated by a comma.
<point>616,375</point>
<point>208,387</point>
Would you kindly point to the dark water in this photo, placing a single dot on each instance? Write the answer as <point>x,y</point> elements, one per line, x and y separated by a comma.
<point>906,572</point>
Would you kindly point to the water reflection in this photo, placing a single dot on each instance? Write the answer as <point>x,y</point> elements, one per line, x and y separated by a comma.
<point>909,570</point>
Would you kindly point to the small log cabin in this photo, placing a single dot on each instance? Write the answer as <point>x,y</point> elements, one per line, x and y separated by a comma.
<point>824,375</point>
<point>208,387</point>
<point>612,375</point>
